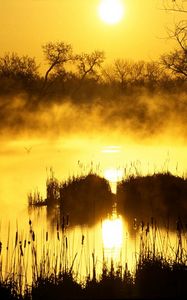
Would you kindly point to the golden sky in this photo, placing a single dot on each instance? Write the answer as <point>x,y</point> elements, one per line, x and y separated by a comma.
<point>27,24</point>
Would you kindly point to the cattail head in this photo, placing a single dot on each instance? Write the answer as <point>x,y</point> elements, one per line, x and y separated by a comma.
<point>21,250</point>
<point>147,229</point>
<point>82,242</point>
<point>142,225</point>
<point>135,224</point>
<point>16,239</point>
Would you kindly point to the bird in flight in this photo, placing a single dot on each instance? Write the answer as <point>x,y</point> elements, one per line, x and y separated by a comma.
<point>28,149</point>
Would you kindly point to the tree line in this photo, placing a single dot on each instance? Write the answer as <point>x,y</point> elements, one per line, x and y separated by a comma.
<point>74,75</point>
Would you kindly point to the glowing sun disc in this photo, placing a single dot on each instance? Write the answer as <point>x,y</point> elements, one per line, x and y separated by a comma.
<point>111,11</point>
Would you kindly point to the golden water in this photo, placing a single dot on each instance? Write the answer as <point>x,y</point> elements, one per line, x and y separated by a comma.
<point>25,166</point>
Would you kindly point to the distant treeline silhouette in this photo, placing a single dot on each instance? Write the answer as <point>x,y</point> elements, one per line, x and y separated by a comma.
<point>85,75</point>
<point>137,98</point>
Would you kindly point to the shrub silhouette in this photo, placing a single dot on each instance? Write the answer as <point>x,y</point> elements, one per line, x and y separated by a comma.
<point>61,287</point>
<point>156,278</point>
<point>86,199</point>
<point>112,285</point>
<point>162,196</point>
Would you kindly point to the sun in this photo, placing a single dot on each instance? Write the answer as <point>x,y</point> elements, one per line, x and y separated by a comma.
<point>111,11</point>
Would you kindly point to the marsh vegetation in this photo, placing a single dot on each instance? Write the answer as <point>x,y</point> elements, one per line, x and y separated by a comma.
<point>33,269</point>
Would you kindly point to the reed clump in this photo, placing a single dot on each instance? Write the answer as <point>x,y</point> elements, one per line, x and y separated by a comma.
<point>158,278</point>
<point>35,200</point>
<point>112,284</point>
<point>52,272</point>
<point>87,198</point>
<point>58,287</point>
<point>161,195</point>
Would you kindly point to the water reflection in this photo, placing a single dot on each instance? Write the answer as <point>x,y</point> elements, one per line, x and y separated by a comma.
<point>61,243</point>
<point>112,230</point>
<point>33,248</point>
<point>112,233</point>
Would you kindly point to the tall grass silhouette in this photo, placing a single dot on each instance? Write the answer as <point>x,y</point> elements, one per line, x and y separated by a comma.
<point>57,263</point>
<point>48,271</point>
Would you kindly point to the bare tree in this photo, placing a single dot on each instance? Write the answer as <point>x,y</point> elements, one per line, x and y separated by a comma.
<point>176,60</point>
<point>129,72</point>
<point>18,67</point>
<point>180,34</point>
<point>137,73</point>
<point>56,54</point>
<point>90,64</point>
<point>175,6</point>
<point>108,75</point>
<point>153,73</point>
<point>122,71</point>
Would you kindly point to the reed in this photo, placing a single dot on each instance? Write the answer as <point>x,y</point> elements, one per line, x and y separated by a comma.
<point>55,272</point>
<point>52,265</point>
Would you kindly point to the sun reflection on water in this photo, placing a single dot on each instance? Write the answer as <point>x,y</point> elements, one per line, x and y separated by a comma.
<point>112,235</point>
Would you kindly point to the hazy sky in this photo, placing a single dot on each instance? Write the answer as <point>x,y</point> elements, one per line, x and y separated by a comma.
<point>27,24</point>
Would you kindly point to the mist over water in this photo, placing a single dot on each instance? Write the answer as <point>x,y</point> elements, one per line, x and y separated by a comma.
<point>144,117</point>
<point>136,134</point>
<point>149,129</point>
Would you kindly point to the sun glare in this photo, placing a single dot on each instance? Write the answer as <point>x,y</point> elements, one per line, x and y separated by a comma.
<point>111,11</point>
<point>113,175</point>
<point>112,232</point>
<point>111,149</point>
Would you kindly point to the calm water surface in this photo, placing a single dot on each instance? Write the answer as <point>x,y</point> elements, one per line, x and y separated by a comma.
<point>25,166</point>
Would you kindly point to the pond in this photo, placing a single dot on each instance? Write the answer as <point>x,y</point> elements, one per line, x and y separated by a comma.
<point>25,164</point>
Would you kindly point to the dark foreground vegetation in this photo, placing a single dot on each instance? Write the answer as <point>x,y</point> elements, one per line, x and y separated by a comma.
<point>160,270</point>
<point>155,276</point>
